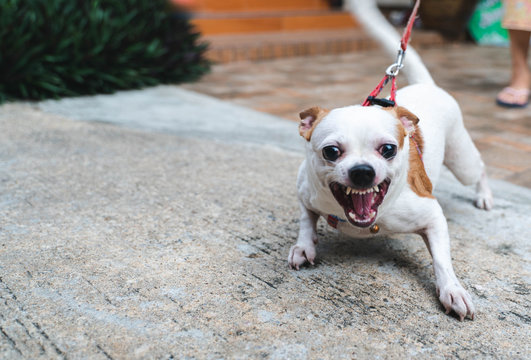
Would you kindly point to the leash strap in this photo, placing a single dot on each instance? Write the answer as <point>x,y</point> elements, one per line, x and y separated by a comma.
<point>409,27</point>
<point>412,137</point>
<point>392,71</point>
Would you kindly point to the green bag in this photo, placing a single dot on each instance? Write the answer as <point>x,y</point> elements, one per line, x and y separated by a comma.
<point>485,24</point>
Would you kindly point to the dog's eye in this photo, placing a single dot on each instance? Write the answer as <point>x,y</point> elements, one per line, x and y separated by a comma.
<point>331,153</point>
<point>388,151</point>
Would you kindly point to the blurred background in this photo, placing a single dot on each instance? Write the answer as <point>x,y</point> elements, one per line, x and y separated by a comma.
<point>57,48</point>
<point>309,27</point>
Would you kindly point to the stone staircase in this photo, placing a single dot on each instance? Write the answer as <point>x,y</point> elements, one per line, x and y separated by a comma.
<point>212,17</point>
<point>252,30</point>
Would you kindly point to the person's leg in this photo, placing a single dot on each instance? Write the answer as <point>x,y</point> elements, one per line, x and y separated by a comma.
<point>520,74</point>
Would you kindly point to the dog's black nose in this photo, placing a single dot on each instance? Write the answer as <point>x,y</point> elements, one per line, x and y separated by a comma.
<point>362,176</point>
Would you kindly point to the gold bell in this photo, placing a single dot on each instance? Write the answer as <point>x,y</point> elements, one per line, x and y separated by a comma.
<point>374,229</point>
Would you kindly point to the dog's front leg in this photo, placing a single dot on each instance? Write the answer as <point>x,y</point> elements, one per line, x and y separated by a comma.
<point>304,249</point>
<point>451,294</point>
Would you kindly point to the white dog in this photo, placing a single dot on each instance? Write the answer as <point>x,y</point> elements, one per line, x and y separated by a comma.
<point>372,169</point>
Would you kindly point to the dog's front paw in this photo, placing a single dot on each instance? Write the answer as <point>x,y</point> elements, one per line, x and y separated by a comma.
<point>455,298</point>
<point>299,254</point>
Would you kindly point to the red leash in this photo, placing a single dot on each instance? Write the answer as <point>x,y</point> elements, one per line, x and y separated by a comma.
<point>392,71</point>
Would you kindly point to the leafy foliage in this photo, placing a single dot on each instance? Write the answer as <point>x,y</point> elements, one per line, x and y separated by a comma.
<point>56,48</point>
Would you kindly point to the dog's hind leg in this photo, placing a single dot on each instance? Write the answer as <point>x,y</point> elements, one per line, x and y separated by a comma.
<point>463,159</point>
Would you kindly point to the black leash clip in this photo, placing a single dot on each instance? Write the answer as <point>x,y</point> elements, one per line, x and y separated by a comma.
<point>381,101</point>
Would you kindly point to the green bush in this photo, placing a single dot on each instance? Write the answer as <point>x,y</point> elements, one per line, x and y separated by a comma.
<point>56,48</point>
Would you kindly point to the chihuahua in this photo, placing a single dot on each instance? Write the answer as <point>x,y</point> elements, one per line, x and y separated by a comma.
<point>371,170</point>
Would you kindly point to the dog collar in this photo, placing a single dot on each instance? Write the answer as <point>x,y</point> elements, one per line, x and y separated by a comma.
<point>333,221</point>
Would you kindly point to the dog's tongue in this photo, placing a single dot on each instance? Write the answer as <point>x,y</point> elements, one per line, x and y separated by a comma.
<point>360,209</point>
<point>362,203</point>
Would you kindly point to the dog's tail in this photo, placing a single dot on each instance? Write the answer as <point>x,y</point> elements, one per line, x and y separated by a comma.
<point>372,20</point>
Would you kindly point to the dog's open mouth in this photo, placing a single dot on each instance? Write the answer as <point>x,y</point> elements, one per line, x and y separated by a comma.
<point>360,205</point>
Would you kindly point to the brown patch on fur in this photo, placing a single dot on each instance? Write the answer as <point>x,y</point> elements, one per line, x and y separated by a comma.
<point>310,119</point>
<point>403,112</point>
<point>417,178</point>
<point>402,133</point>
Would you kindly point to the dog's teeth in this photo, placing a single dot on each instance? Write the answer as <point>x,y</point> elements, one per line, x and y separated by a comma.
<point>349,189</point>
<point>376,188</point>
<point>352,215</point>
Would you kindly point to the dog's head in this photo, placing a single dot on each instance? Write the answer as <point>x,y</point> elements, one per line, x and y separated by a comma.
<point>357,152</point>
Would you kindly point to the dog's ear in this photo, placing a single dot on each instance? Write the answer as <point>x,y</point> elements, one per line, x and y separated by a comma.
<point>407,118</point>
<point>309,120</point>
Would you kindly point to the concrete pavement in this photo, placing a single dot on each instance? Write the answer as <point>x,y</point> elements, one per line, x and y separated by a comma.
<point>156,224</point>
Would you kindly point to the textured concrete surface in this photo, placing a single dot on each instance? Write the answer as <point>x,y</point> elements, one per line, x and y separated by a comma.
<point>181,112</point>
<point>148,241</point>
